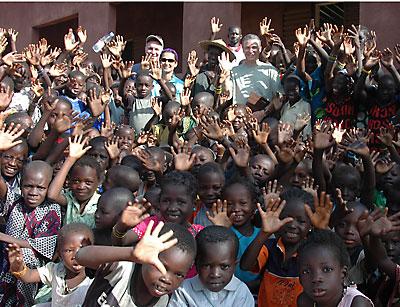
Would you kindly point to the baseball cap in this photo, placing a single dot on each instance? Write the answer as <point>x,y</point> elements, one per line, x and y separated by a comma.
<point>156,38</point>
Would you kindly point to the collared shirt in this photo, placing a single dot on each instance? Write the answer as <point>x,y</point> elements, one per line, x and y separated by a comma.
<point>178,83</point>
<point>290,113</point>
<point>192,293</point>
<point>280,285</point>
<point>73,214</point>
<point>262,79</point>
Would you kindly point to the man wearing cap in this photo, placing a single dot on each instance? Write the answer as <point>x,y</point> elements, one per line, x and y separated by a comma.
<point>154,46</point>
<point>253,78</point>
<point>205,80</point>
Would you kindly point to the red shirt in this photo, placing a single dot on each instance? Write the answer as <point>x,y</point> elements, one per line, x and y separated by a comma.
<point>344,112</point>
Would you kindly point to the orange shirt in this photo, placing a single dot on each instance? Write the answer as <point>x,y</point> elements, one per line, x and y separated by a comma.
<point>280,283</point>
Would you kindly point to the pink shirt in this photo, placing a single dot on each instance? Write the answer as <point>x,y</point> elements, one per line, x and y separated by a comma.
<point>140,229</point>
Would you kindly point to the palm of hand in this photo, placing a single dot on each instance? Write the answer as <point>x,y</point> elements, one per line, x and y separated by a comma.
<point>381,226</point>
<point>322,140</point>
<point>320,218</point>
<point>182,162</point>
<point>271,222</point>
<point>359,147</point>
<point>76,150</point>
<point>15,260</point>
<point>131,216</point>
<point>261,137</point>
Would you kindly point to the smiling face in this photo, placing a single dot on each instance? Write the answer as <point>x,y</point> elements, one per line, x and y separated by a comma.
<point>126,137</point>
<point>292,233</point>
<point>34,186</point>
<point>154,48</point>
<point>176,205</point>
<point>216,267</point>
<point>322,276</point>
<point>177,264</point>
<point>83,183</point>
<point>234,36</point>
<point>168,62</point>
<point>75,85</point>
<point>251,49</point>
<point>12,160</point>
<point>292,90</point>
<point>241,206</point>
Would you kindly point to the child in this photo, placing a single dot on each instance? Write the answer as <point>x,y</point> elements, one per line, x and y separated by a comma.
<point>215,262</point>
<point>81,199</point>
<point>323,263</point>
<point>261,169</point>
<point>210,180</point>
<point>67,279</point>
<point>280,284</point>
<point>32,223</point>
<point>109,209</point>
<point>143,275</point>
<point>126,137</point>
<point>203,155</point>
<point>122,176</point>
<point>240,196</point>
<point>99,152</point>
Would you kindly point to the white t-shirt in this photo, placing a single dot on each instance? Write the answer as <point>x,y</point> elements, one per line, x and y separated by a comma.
<point>53,275</point>
<point>112,286</point>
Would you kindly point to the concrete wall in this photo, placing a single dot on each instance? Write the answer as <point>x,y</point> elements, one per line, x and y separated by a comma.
<point>383,17</point>
<point>97,18</point>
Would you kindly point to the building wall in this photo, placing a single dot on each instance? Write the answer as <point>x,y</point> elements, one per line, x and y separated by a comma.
<point>383,17</point>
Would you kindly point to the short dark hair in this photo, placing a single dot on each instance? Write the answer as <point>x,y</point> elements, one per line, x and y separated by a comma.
<point>132,162</point>
<point>119,196</point>
<point>178,178</point>
<point>89,162</point>
<point>186,241</point>
<point>211,168</point>
<point>299,194</point>
<point>215,234</point>
<point>326,239</point>
<point>74,228</point>
<point>243,182</point>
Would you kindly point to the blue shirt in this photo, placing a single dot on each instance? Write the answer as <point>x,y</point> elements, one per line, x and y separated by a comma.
<point>178,83</point>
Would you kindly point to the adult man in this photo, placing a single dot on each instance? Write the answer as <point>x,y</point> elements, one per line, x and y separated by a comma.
<point>154,46</point>
<point>253,78</point>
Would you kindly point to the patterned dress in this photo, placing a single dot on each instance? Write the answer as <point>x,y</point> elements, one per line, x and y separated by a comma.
<point>39,226</point>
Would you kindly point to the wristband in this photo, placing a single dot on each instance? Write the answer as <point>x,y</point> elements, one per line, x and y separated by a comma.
<point>332,59</point>
<point>368,72</point>
<point>20,273</point>
<point>117,234</point>
<point>341,65</point>
<point>218,91</point>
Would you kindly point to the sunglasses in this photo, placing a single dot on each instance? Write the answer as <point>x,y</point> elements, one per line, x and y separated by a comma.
<point>167,60</point>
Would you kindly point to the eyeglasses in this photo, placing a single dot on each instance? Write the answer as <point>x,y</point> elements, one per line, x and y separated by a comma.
<point>167,60</point>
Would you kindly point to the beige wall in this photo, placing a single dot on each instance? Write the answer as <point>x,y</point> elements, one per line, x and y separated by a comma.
<point>383,17</point>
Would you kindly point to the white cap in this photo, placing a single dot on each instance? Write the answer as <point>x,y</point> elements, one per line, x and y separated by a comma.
<point>156,38</point>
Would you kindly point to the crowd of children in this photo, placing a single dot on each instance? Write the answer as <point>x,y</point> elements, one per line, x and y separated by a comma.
<point>265,176</point>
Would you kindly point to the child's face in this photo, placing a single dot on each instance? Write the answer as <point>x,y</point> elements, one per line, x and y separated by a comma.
<point>240,205</point>
<point>261,169</point>
<point>34,187</point>
<point>349,185</point>
<point>99,152</point>
<point>339,85</point>
<point>347,229</point>
<point>295,231</point>
<point>12,160</point>
<point>83,183</point>
<point>240,115</point>
<point>68,249</point>
<point>292,90</point>
<point>144,85</point>
<point>129,88</point>
<point>199,108</point>
<point>202,157</point>
<point>106,216</point>
<point>209,188</point>
<point>176,205</point>
<point>321,276</point>
<point>126,137</point>
<point>392,245</point>
<point>177,263</point>
<point>75,85</point>
<point>300,175</point>
<point>61,108</point>
<point>217,266</point>
<point>168,113</point>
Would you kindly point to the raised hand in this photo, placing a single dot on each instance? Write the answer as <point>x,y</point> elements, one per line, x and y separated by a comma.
<point>156,71</point>
<point>189,79</point>
<point>95,103</point>
<point>303,36</point>
<point>151,245</point>
<point>12,34</point>
<point>51,57</point>
<point>397,52</point>
<point>77,146</point>
<point>126,69</point>
<point>15,258</point>
<point>265,26</point>
<point>183,157</point>
<point>240,153</point>
<point>32,54</point>
<point>354,34</point>
<point>3,44</point>
<point>386,135</point>
<point>271,191</point>
<point>82,34</point>
<point>106,60</point>
<point>58,70</point>
<point>9,135</point>
<point>370,45</point>
<point>224,62</point>
<point>192,62</point>
<point>308,186</point>
<point>117,46</point>
<point>301,121</point>
<point>211,128</point>
<point>338,37</point>
<point>69,41</point>
<point>149,162</point>
<point>285,132</point>
<point>215,25</point>
<point>271,222</point>
<point>322,138</point>
<point>145,63</point>
<point>133,214</point>
<point>323,210</point>
<point>112,148</point>
<point>218,215</point>
<point>366,221</point>
<point>325,34</point>
<point>261,134</point>
<point>79,59</point>
<point>387,57</point>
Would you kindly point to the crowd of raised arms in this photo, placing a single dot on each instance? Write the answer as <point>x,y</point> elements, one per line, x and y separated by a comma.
<point>267,175</point>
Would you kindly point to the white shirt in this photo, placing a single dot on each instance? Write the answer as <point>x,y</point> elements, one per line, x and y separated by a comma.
<point>192,293</point>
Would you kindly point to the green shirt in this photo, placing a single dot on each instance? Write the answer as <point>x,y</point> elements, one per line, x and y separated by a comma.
<point>73,214</point>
